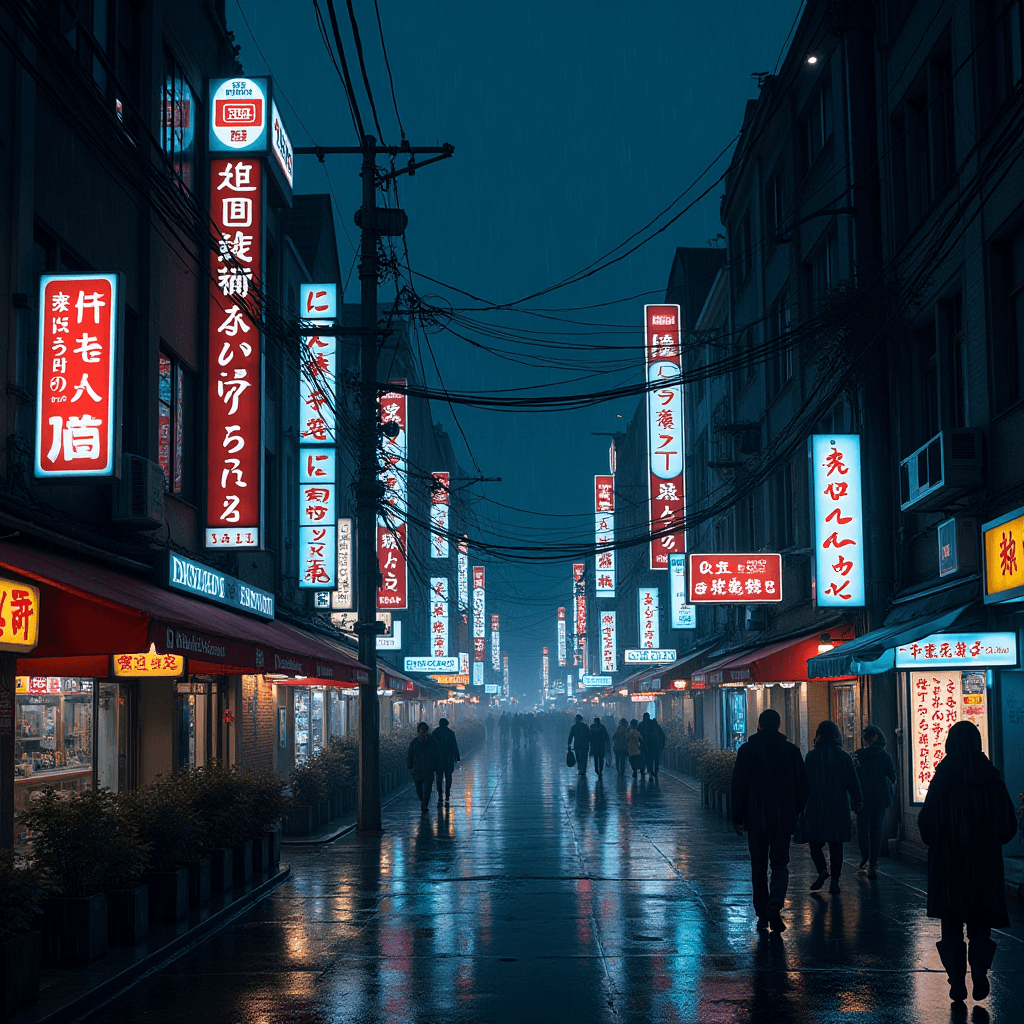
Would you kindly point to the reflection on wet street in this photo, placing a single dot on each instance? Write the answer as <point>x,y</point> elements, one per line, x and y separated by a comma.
<point>541,897</point>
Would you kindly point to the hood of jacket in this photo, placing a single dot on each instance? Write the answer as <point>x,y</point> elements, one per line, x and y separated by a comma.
<point>972,769</point>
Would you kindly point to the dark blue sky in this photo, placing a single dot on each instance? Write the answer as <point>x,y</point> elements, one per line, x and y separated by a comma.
<point>574,124</point>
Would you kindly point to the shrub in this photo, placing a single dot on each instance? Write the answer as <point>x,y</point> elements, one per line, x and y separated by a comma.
<point>166,821</point>
<point>265,801</point>
<point>715,769</point>
<point>23,887</point>
<point>216,792</point>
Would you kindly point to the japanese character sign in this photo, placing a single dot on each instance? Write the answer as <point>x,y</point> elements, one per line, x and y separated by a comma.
<point>736,579</point>
<point>650,635</point>
<point>463,564</point>
<point>19,616</point>
<point>437,602</point>
<point>838,518</point>
<point>562,646</point>
<point>238,118</point>
<point>580,608</point>
<point>959,650</point>
<point>604,557</point>
<point>1004,558</point>
<point>609,656</point>
<point>234,399</point>
<point>78,415</point>
<point>665,438</point>
<point>439,516</point>
<point>479,611</point>
<point>392,553</point>
<point>148,664</point>
<point>496,643</point>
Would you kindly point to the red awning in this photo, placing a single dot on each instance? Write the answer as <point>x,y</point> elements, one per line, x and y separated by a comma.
<point>88,611</point>
<point>781,662</point>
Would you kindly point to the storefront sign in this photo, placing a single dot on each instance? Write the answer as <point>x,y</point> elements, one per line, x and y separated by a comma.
<point>649,619</point>
<point>391,557</point>
<point>40,685</point>
<point>392,642</point>
<point>1004,558</point>
<point>595,682</point>
<point>938,700</point>
<point>496,643</point>
<point>198,580</point>
<point>735,579</point>
<point>838,520</point>
<point>238,120</point>
<point>438,599</point>
<point>478,673</point>
<point>491,688</point>
<point>608,643</point>
<point>343,596</point>
<point>148,665</point>
<point>479,612</point>
<point>643,698</point>
<point>281,146</point>
<point>463,563</point>
<point>684,615</point>
<point>665,440</point>
<point>580,614</point>
<point>959,650</point>
<point>392,550</point>
<point>604,555</point>
<point>432,666</point>
<point>562,645</point>
<point>78,414</point>
<point>19,616</point>
<point>439,516</point>
<point>234,475</point>
<point>649,656</point>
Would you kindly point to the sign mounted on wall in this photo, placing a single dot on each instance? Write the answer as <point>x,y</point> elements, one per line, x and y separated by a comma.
<point>837,517</point>
<point>604,555</point>
<point>1004,558</point>
<point>392,549</point>
<point>736,579</point>
<point>648,616</point>
<point>438,666</point>
<point>649,656</point>
<point>684,615</point>
<point>959,650</point>
<point>439,515</point>
<point>19,616</point>
<point>609,655</point>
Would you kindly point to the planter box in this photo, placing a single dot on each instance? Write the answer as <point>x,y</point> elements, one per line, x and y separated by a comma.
<point>242,858</point>
<point>74,931</point>
<point>168,894</point>
<point>221,873</point>
<point>298,820</point>
<point>274,841</point>
<point>127,915</point>
<point>199,885</point>
<point>260,854</point>
<point>19,971</point>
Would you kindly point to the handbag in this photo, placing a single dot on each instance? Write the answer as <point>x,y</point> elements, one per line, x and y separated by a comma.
<point>570,759</point>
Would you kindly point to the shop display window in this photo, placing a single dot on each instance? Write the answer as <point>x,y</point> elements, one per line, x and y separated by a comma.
<point>735,717</point>
<point>301,705</point>
<point>845,715</point>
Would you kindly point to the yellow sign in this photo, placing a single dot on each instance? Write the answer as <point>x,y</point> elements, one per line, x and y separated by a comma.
<point>451,681</point>
<point>1004,558</point>
<point>149,665</point>
<point>19,616</point>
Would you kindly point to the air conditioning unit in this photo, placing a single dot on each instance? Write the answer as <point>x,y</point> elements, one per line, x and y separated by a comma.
<point>139,494</point>
<point>944,469</point>
<point>958,546</point>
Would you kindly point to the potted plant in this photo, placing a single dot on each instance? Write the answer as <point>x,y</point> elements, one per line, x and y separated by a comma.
<point>265,803</point>
<point>127,857</point>
<point>22,891</point>
<point>306,783</point>
<point>216,794</point>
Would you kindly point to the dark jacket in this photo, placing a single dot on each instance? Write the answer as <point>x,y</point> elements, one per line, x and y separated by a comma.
<point>579,738</point>
<point>967,816</point>
<point>876,775</point>
<point>619,739</point>
<point>600,741</point>
<point>449,747</point>
<point>424,758</point>
<point>654,737</point>
<point>832,788</point>
<point>769,784</point>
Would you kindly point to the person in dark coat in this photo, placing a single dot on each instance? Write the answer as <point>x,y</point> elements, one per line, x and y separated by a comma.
<point>423,760</point>
<point>967,816</point>
<point>635,748</point>
<point>620,746</point>
<point>600,741</point>
<point>579,741</point>
<point>833,786</point>
<point>769,790</point>
<point>449,747</point>
<point>654,743</point>
<point>877,776</point>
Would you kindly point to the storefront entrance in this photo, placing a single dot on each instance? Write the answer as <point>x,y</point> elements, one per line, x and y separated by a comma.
<point>117,736</point>
<point>196,724</point>
<point>845,713</point>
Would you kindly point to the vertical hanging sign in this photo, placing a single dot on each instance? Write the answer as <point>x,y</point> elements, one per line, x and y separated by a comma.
<point>608,642</point>
<point>545,663</point>
<point>664,433</point>
<point>392,549</point>
<point>579,588</point>
<point>496,643</point>
<point>604,560</point>
<point>562,652</point>
<point>78,414</point>
<point>504,666</point>
<point>684,616</point>
<point>838,520</point>
<point>439,516</point>
<point>479,626</point>
<point>439,616</point>
<point>650,635</point>
<point>463,560</point>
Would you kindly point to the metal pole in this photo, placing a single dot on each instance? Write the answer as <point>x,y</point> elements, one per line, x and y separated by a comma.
<point>368,817</point>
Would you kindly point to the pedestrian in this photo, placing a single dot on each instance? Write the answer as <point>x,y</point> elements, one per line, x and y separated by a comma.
<point>503,727</point>
<point>769,790</point>
<point>579,741</point>
<point>654,743</point>
<point>635,748</point>
<point>877,776</point>
<point>517,729</point>
<point>832,788</point>
<point>448,745</point>
<point>967,816</point>
<point>423,761</point>
<point>620,746</point>
<point>490,725</point>
<point>600,741</point>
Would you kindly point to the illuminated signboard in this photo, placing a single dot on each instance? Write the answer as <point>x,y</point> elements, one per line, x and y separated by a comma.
<point>463,564</point>
<point>545,670</point>
<point>595,682</point>
<point>580,609</point>
<point>78,415</point>
<point>281,145</point>
<point>504,666</point>
<point>479,612</point>
<point>604,558</point>
<point>203,581</point>
<point>392,549</point>
<point>478,673</point>
<point>1003,540</point>
<point>838,520</point>
<point>959,650</point>
<point>149,665</point>
<point>439,616</point>
<point>392,642</point>
<point>439,516</point>
<point>649,656</point>
<point>343,596</point>
<point>684,614</point>
<point>665,440</point>
<point>562,645</point>
<point>650,633</point>
<point>736,579</point>
<point>436,666</point>
<point>495,643</point>
<point>238,120</point>
<point>19,616</point>
<point>608,641</point>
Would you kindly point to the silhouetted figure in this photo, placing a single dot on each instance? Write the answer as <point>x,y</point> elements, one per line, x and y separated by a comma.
<point>579,741</point>
<point>449,747</point>
<point>635,748</point>
<point>967,816</point>
<point>423,761</point>
<point>489,725</point>
<point>620,746</point>
<point>769,790</point>
<point>654,743</point>
<point>517,729</point>
<point>600,742</point>
<point>503,727</point>
<point>832,787</point>
<point>877,776</point>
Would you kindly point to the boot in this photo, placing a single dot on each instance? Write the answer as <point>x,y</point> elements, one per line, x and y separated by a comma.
<point>954,958</point>
<point>979,955</point>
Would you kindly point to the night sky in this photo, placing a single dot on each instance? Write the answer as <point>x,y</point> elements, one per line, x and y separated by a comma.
<point>574,124</point>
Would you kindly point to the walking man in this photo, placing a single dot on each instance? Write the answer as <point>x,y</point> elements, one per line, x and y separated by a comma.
<point>769,790</point>
<point>654,743</point>
<point>579,740</point>
<point>620,746</point>
<point>449,747</point>
<point>423,760</point>
<point>877,776</point>
<point>599,743</point>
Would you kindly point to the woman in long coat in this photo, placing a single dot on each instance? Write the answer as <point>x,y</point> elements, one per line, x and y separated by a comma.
<point>832,779</point>
<point>635,748</point>
<point>620,746</point>
<point>423,759</point>
<point>967,816</point>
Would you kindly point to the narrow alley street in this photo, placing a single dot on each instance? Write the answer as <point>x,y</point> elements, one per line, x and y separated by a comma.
<point>538,898</point>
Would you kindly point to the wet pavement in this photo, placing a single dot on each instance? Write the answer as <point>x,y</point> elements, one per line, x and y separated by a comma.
<point>541,898</point>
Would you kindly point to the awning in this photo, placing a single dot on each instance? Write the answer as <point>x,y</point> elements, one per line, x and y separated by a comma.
<point>874,652</point>
<point>87,612</point>
<point>715,672</point>
<point>785,661</point>
<point>667,673</point>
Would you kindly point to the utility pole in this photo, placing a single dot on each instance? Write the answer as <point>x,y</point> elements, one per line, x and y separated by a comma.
<point>373,222</point>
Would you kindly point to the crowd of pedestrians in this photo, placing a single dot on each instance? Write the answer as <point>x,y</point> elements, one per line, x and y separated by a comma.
<point>641,742</point>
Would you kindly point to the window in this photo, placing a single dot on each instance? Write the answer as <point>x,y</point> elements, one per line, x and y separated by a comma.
<point>753,516</point>
<point>774,202</point>
<point>782,508</point>
<point>178,121</point>
<point>1004,31</point>
<point>1007,338</point>
<point>780,358</point>
<point>821,271</point>
<point>742,256</point>
<point>174,442</point>
<point>816,124</point>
